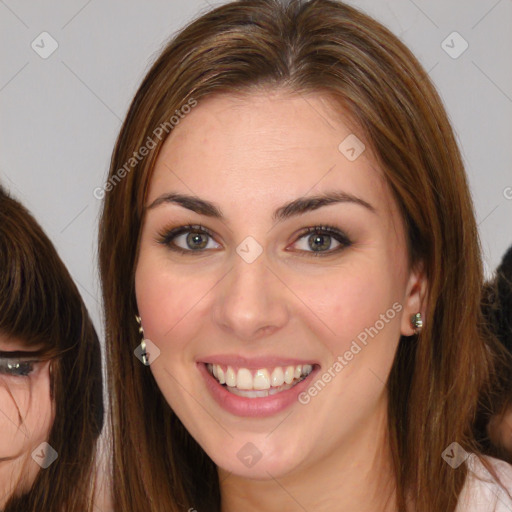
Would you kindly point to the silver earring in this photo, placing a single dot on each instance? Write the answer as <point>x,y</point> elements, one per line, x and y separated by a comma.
<point>417,322</point>
<point>143,342</point>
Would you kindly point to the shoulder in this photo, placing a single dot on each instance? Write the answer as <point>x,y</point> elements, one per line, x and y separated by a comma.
<point>481,491</point>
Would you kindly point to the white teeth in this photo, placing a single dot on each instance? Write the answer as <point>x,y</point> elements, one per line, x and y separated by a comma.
<point>277,378</point>
<point>289,374</point>
<point>259,393</point>
<point>263,382</point>
<point>244,379</point>
<point>230,377</point>
<point>307,369</point>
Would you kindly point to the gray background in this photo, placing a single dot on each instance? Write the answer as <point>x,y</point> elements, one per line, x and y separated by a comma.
<point>60,115</point>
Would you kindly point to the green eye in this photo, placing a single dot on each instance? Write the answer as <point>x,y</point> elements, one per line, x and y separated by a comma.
<point>194,243</point>
<point>197,245</point>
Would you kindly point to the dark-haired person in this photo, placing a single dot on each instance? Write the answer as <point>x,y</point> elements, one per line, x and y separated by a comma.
<point>51,408</point>
<point>497,306</point>
<point>296,265</point>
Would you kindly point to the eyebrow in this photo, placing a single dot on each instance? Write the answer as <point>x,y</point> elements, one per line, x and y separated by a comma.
<point>294,208</point>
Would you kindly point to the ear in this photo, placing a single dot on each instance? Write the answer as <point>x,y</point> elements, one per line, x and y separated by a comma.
<point>415,299</point>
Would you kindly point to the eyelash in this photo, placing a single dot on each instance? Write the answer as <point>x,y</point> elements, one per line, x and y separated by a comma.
<point>166,237</point>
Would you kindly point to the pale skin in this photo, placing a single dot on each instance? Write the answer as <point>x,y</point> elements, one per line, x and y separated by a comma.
<point>250,156</point>
<point>26,417</point>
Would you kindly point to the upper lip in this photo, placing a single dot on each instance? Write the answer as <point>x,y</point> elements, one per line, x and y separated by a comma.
<point>253,363</point>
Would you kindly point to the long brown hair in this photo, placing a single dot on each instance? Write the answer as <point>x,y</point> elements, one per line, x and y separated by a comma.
<point>40,305</point>
<point>328,48</point>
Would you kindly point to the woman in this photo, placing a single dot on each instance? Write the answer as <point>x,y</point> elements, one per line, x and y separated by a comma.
<point>288,219</point>
<point>50,374</point>
<point>497,306</point>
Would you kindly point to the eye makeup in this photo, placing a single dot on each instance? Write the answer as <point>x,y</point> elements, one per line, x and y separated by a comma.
<point>167,237</point>
<point>20,363</point>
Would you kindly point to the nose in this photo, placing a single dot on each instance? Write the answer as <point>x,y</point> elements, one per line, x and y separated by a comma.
<point>251,300</point>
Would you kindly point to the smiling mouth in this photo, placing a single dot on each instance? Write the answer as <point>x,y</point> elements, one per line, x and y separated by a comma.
<point>258,383</point>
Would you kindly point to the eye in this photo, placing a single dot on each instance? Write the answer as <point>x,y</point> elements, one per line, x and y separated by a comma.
<point>16,367</point>
<point>320,238</point>
<point>194,239</point>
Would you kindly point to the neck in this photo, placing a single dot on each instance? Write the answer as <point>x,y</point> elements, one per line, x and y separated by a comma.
<point>357,475</point>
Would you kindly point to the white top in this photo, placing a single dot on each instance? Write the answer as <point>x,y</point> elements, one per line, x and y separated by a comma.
<point>481,493</point>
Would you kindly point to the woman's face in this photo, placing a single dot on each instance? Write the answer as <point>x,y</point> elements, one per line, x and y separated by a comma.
<point>26,414</point>
<point>302,325</point>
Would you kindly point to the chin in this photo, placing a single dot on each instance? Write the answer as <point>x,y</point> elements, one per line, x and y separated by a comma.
<point>259,458</point>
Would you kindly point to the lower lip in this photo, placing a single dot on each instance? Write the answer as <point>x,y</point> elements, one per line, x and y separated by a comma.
<point>253,407</point>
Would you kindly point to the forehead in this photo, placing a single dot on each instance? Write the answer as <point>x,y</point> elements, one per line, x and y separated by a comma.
<point>268,146</point>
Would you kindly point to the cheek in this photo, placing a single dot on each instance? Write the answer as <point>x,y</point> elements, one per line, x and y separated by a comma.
<point>41,413</point>
<point>26,414</point>
<point>345,301</point>
<point>167,296</point>
<point>14,404</point>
